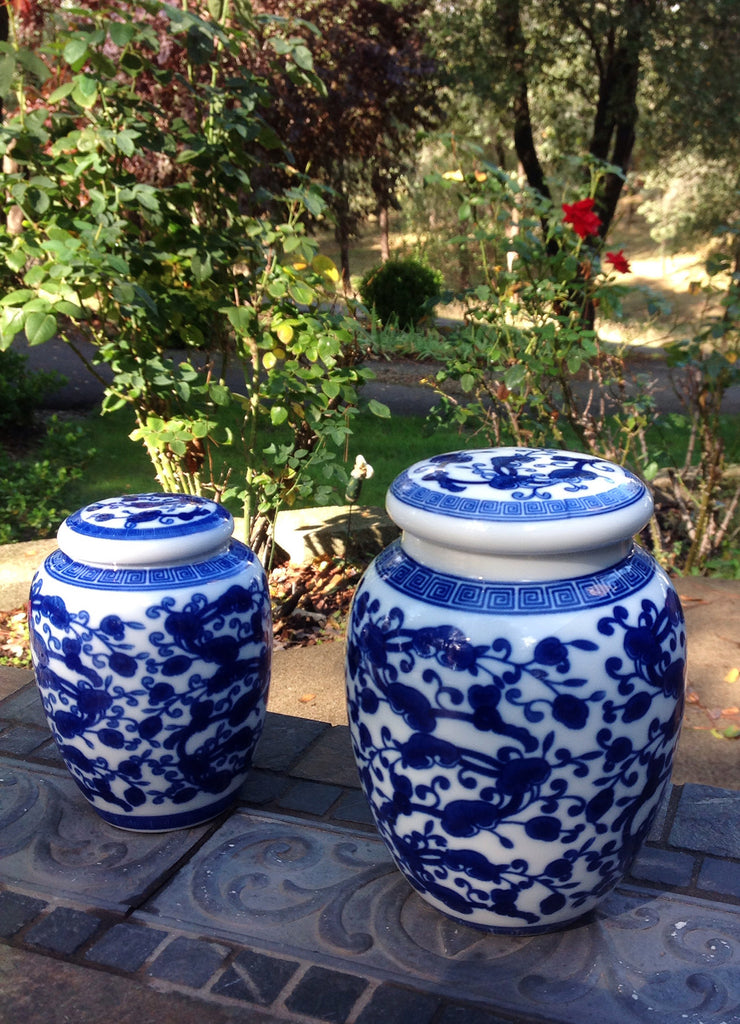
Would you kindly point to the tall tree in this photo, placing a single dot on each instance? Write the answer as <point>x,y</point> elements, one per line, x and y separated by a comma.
<point>608,78</point>
<point>380,89</point>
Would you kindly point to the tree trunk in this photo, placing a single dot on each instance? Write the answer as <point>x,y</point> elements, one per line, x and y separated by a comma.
<point>613,135</point>
<point>513,35</point>
<point>385,247</point>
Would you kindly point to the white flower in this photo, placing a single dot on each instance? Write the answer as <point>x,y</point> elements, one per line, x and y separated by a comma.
<point>362,469</point>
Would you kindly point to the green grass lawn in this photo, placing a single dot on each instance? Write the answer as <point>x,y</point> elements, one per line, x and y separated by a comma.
<point>121,466</point>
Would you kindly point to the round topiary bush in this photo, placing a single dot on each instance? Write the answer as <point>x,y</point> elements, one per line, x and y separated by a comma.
<point>400,290</point>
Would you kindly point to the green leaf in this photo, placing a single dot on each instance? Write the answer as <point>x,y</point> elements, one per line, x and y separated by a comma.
<point>302,56</point>
<point>515,375</point>
<point>125,141</point>
<point>219,394</point>
<point>75,50</point>
<point>121,33</point>
<point>67,308</point>
<point>16,297</point>
<point>379,409</point>
<point>40,327</point>
<point>240,318</point>
<point>85,92</point>
<point>467,382</point>
<point>61,93</point>
<point>202,267</point>
<point>16,259</point>
<point>303,294</point>
<point>278,415</point>
<point>7,71</point>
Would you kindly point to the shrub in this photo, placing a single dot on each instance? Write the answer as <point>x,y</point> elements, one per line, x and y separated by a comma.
<point>32,482</point>
<point>21,393</point>
<point>401,289</point>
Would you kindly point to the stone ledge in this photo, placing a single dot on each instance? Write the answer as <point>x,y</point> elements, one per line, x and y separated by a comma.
<point>309,533</point>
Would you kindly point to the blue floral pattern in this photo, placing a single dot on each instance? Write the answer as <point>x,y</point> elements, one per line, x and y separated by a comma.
<point>514,766</point>
<point>520,484</point>
<point>157,713</point>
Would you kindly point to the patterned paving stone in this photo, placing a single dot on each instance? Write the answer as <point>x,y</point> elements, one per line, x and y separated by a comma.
<point>333,898</point>
<point>52,840</point>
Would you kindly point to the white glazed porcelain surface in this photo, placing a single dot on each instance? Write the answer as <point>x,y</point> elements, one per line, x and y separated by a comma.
<point>145,529</point>
<point>515,682</point>
<point>154,679</point>
<point>514,502</point>
<point>514,740</point>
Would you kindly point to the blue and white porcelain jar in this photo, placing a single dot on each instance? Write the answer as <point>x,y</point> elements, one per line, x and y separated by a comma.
<point>515,681</point>
<point>151,639</point>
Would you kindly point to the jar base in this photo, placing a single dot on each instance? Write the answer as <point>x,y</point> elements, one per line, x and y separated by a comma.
<point>173,822</point>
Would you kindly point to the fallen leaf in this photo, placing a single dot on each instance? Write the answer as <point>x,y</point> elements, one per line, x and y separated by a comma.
<point>732,732</point>
<point>733,675</point>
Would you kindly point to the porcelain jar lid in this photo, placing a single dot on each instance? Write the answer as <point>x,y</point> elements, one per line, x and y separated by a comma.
<point>145,529</point>
<point>519,501</point>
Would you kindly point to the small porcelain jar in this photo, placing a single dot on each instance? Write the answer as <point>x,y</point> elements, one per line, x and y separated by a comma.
<point>151,639</point>
<point>515,682</point>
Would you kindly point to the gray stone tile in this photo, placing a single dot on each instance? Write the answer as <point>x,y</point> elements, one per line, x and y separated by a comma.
<point>708,819</point>
<point>16,911</point>
<point>261,787</point>
<point>330,760</point>
<point>19,739</point>
<point>284,740</point>
<point>255,978</point>
<point>52,841</point>
<point>63,931</point>
<point>125,946</point>
<point>25,706</point>
<point>354,808</point>
<point>720,876</point>
<point>191,962</point>
<point>328,995</point>
<point>666,867</point>
<point>392,1004</point>
<point>332,898</point>
<point>461,1013</point>
<point>658,826</point>
<point>309,797</point>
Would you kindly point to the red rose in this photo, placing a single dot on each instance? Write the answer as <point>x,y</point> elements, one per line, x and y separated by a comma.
<point>619,261</point>
<point>581,215</point>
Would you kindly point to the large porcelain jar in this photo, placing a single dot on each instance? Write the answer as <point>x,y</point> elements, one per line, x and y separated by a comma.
<point>515,681</point>
<point>151,640</point>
